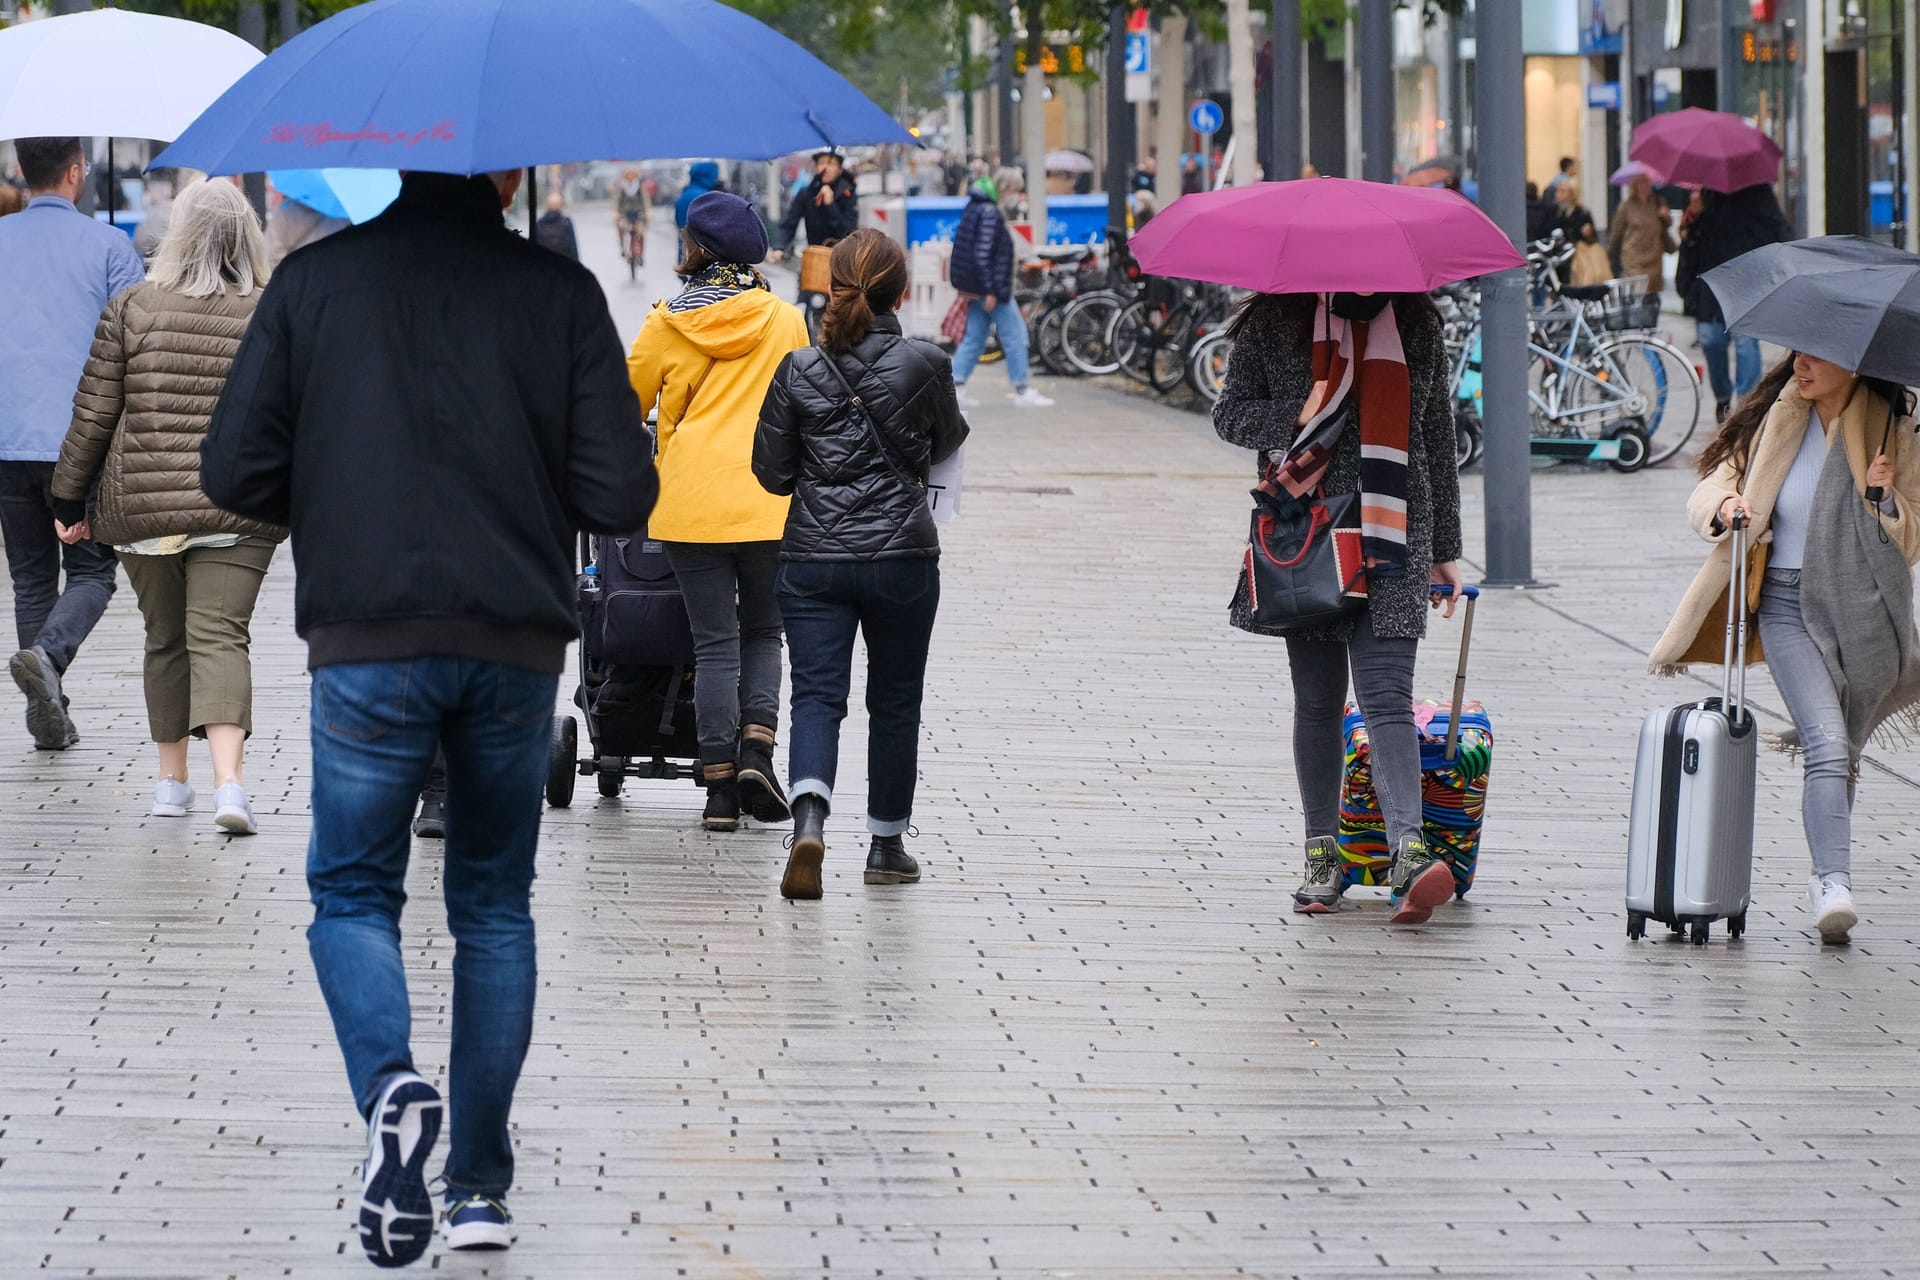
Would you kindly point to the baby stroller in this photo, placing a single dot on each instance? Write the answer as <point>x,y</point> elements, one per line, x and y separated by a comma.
<point>636,673</point>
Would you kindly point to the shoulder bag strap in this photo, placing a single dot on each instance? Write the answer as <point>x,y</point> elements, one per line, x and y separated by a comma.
<point>873,428</point>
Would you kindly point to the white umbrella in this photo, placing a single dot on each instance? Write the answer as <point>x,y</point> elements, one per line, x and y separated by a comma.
<point>111,73</point>
<point>1069,162</point>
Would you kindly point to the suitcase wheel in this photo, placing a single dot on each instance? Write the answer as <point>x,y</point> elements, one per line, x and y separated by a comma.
<point>560,752</point>
<point>1699,933</point>
<point>1736,925</point>
<point>1636,925</point>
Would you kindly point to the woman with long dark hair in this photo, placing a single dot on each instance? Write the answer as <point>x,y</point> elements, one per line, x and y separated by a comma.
<point>1296,359</point>
<point>1823,465</point>
<point>851,428</point>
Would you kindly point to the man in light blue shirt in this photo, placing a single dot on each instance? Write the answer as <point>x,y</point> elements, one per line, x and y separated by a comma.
<point>60,268</point>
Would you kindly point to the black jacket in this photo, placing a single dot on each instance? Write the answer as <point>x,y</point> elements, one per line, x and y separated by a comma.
<point>835,220</point>
<point>554,231</point>
<point>850,502</point>
<point>982,262</point>
<point>1728,226</point>
<point>434,406</point>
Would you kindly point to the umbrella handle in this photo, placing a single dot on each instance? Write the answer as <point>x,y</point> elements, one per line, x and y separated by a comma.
<point>1875,494</point>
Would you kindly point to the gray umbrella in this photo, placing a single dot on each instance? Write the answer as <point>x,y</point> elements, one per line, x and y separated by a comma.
<point>1846,299</point>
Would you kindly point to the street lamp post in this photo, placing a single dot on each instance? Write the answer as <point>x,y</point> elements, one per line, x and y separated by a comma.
<point>1500,141</point>
<point>1118,135</point>
<point>1285,88</point>
<point>1376,89</point>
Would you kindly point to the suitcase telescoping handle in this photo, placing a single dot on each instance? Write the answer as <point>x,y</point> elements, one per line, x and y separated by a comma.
<point>1733,678</point>
<point>1460,673</point>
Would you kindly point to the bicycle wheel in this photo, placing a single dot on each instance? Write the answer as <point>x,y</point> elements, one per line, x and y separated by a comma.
<point>1167,363</point>
<point>1083,332</point>
<point>1648,384</point>
<point>1131,338</point>
<point>1050,341</point>
<point>1207,365</point>
<point>1664,381</point>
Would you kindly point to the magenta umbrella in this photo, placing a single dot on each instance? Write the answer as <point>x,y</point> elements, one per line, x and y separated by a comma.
<point>1711,149</point>
<point>1324,235</point>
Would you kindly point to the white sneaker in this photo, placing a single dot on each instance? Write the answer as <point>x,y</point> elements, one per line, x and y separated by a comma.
<point>232,813</point>
<point>967,399</point>
<point>1832,903</point>
<point>1028,398</point>
<point>172,798</point>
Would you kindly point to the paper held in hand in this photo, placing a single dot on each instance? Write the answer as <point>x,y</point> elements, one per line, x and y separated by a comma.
<point>943,487</point>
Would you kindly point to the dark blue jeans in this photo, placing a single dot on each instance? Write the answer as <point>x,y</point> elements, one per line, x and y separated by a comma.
<point>43,614</point>
<point>892,603</point>
<point>375,728</point>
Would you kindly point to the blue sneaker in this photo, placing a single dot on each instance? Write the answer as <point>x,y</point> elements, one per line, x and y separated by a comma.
<point>478,1222</point>
<point>396,1210</point>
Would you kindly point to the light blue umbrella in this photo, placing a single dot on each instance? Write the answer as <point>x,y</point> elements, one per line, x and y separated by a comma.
<point>475,86</point>
<point>353,194</point>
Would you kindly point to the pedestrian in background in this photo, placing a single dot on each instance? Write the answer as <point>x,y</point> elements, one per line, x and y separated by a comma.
<point>1728,226</point>
<point>702,176</point>
<point>1642,234</point>
<point>851,429</point>
<point>160,357</point>
<point>1288,351</point>
<point>982,271</point>
<point>1571,218</point>
<point>1795,459</point>
<point>553,230</point>
<point>437,607</point>
<point>1569,171</point>
<point>705,359</point>
<point>631,204</point>
<point>1540,214</point>
<point>59,268</point>
<point>828,206</point>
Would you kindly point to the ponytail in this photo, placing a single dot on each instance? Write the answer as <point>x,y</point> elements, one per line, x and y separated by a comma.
<point>869,275</point>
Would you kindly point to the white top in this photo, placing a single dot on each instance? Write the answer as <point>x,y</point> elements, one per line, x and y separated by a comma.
<point>1793,509</point>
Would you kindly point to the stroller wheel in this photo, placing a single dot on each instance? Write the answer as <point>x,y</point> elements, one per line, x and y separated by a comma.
<point>560,761</point>
<point>611,775</point>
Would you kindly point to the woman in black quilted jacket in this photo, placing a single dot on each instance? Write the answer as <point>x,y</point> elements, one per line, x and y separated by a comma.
<point>851,428</point>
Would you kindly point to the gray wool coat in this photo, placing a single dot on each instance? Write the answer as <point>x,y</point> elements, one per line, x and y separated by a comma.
<point>1268,382</point>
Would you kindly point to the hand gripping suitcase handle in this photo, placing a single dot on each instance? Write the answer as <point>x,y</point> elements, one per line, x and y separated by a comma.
<point>1460,673</point>
<point>1733,678</point>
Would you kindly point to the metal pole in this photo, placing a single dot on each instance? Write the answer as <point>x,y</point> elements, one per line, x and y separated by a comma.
<point>1003,83</point>
<point>1286,91</point>
<point>1727,83</point>
<point>251,23</point>
<point>1119,153</point>
<point>533,198</point>
<point>1376,89</point>
<point>289,20</point>
<point>1500,124</point>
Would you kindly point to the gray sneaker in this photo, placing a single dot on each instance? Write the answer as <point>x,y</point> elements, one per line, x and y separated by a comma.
<point>1420,882</point>
<point>231,811</point>
<point>1319,893</point>
<point>47,718</point>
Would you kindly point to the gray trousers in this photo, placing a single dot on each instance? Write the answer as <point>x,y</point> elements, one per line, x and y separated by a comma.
<point>1383,687</point>
<point>728,587</point>
<point>1800,673</point>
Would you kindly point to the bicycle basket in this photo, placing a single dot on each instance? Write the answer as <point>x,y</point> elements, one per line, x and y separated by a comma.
<point>1642,312</point>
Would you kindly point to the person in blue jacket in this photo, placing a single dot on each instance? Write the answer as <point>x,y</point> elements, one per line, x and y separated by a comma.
<point>982,271</point>
<point>702,177</point>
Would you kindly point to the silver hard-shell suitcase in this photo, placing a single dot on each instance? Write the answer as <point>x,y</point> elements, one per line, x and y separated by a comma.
<point>1690,838</point>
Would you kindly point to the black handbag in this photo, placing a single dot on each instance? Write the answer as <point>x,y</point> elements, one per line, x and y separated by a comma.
<point>1303,565</point>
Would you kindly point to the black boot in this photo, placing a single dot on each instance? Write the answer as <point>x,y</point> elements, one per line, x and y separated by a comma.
<point>760,793</point>
<point>432,822</point>
<point>808,851</point>
<point>1720,410</point>
<point>888,862</point>
<point>723,799</point>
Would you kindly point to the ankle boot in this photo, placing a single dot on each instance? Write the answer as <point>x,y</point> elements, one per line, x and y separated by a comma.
<point>760,793</point>
<point>888,862</point>
<point>723,799</point>
<point>808,850</point>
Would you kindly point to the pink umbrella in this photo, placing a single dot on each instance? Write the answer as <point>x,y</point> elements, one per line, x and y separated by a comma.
<point>1323,235</point>
<point>1720,152</point>
<point>1634,169</point>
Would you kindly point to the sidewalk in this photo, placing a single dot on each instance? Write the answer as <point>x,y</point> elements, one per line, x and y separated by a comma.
<point>1094,1042</point>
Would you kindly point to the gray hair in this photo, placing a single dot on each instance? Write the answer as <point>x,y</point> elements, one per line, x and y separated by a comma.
<point>213,244</point>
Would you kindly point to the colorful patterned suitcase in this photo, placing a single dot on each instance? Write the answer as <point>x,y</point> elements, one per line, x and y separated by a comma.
<point>1453,790</point>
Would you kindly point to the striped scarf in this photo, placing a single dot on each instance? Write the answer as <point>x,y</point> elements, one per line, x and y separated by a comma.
<point>1361,370</point>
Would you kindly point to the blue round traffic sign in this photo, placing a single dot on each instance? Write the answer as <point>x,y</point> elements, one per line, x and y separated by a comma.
<point>1206,116</point>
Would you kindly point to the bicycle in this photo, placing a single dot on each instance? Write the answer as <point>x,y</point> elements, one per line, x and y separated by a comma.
<point>1623,388</point>
<point>633,245</point>
<point>1151,336</point>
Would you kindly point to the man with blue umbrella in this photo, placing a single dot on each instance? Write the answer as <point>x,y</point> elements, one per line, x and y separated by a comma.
<point>433,405</point>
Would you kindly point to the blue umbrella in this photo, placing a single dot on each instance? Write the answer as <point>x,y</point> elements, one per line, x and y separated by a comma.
<point>484,85</point>
<point>353,194</point>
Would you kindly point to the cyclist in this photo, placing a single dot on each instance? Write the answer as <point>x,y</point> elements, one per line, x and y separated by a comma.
<point>630,215</point>
<point>830,206</point>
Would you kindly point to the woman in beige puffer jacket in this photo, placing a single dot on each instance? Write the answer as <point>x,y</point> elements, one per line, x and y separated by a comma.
<point>160,359</point>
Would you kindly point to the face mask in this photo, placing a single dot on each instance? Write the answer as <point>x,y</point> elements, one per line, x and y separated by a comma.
<point>1359,309</point>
